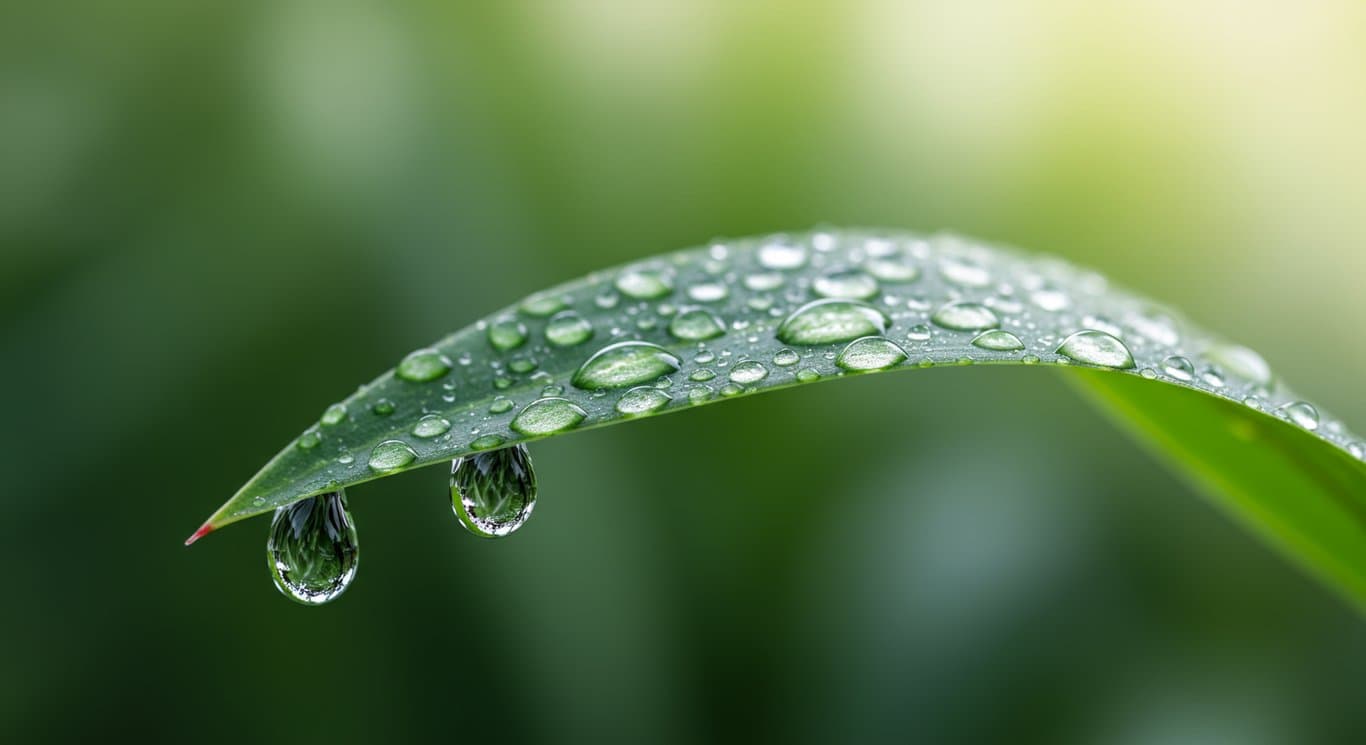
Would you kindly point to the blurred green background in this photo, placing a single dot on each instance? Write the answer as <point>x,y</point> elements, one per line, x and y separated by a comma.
<point>217,218</point>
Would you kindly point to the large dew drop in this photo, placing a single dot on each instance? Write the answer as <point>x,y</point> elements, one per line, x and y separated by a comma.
<point>963,316</point>
<point>493,493</point>
<point>997,340</point>
<point>508,333</point>
<point>391,455</point>
<point>568,329</point>
<point>313,550</point>
<point>625,364</point>
<point>832,321</point>
<point>547,416</point>
<point>423,365</point>
<point>1097,348</point>
<point>870,353</point>
<point>642,401</point>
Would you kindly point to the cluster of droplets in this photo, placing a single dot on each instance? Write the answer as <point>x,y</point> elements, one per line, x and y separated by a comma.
<point>726,320</point>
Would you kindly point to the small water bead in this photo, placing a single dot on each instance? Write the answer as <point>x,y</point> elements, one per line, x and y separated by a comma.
<point>568,329</point>
<point>998,341</point>
<point>522,365</point>
<point>641,401</point>
<point>313,549</point>
<point>1213,378</point>
<point>701,375</point>
<point>493,493</point>
<point>1357,450</point>
<point>1101,323</point>
<point>644,284</point>
<point>309,439</point>
<point>964,272</point>
<point>892,270</point>
<point>705,357</point>
<point>346,459</point>
<point>764,282</point>
<point>696,324</point>
<point>625,364</point>
<point>1242,362</point>
<point>1160,329</point>
<point>782,256</point>
<point>382,407</point>
<point>852,284</point>
<point>423,365</point>
<point>431,425</point>
<point>1092,347</point>
<point>391,455</point>
<point>747,373</point>
<point>760,302</point>
<point>700,394</point>
<point>807,375</point>
<point>965,316</point>
<point>832,321</point>
<point>501,405</point>
<point>547,416</point>
<point>1254,402</point>
<point>1148,373</point>
<point>919,332</point>
<point>1179,367</point>
<point>552,390</point>
<point>1302,413</point>
<point>507,333</point>
<point>487,442</point>
<point>731,389</point>
<point>1050,299</point>
<point>1030,359</point>
<point>333,415</point>
<point>1007,305</point>
<point>543,305</point>
<point>786,358</point>
<point>607,300</point>
<point>708,292</point>
<point>502,383</point>
<point>870,353</point>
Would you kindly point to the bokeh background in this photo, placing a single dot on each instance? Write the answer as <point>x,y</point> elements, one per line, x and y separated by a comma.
<point>217,218</point>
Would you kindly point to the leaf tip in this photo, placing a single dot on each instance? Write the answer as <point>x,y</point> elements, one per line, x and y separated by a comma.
<point>204,530</point>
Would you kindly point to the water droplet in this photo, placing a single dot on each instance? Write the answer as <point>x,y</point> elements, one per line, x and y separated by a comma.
<point>1179,367</point>
<point>747,372</point>
<point>786,358</point>
<point>708,292</point>
<point>891,270</point>
<point>333,415</point>
<point>493,493</point>
<point>644,284</point>
<point>700,394</point>
<point>1101,323</point>
<point>382,407</point>
<point>1157,328</point>
<point>764,281</point>
<point>541,306</point>
<point>1030,359</point>
<point>487,442</point>
<point>643,400</point>
<point>501,405</point>
<point>782,256</point>
<point>522,365</point>
<point>964,316</point>
<point>1092,347</point>
<point>918,332</point>
<point>701,375</point>
<point>1242,362</point>
<point>870,353</point>
<point>391,455</point>
<point>623,365</point>
<point>998,341</point>
<point>696,324</point>
<point>309,439</point>
<point>567,329</point>
<point>505,334</point>
<point>851,284</point>
<point>346,459</point>
<point>731,389</point>
<point>607,300</point>
<point>1357,450</point>
<point>1302,413</point>
<point>546,416</point>
<point>430,426</point>
<point>964,272</point>
<point>832,321</point>
<point>1050,299</point>
<point>313,549</point>
<point>423,365</point>
<point>1213,377</point>
<point>807,375</point>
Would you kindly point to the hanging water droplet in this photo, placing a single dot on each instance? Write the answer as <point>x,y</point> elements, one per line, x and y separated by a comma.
<point>423,365</point>
<point>998,341</point>
<point>493,493</point>
<point>431,425</point>
<point>1098,348</point>
<point>748,372</point>
<point>541,306</point>
<point>832,321</point>
<point>505,334</point>
<point>782,256</point>
<point>333,415</point>
<point>1242,362</point>
<point>1302,413</point>
<point>641,401</point>
<point>964,316</point>
<point>696,324</point>
<point>851,284</point>
<point>567,329</point>
<point>547,416</point>
<point>708,292</point>
<point>870,353</point>
<point>1179,367</point>
<point>786,358</point>
<point>644,284</point>
<point>623,365</point>
<point>391,455</point>
<point>313,549</point>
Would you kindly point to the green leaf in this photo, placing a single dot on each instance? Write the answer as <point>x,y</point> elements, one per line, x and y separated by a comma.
<point>738,317</point>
